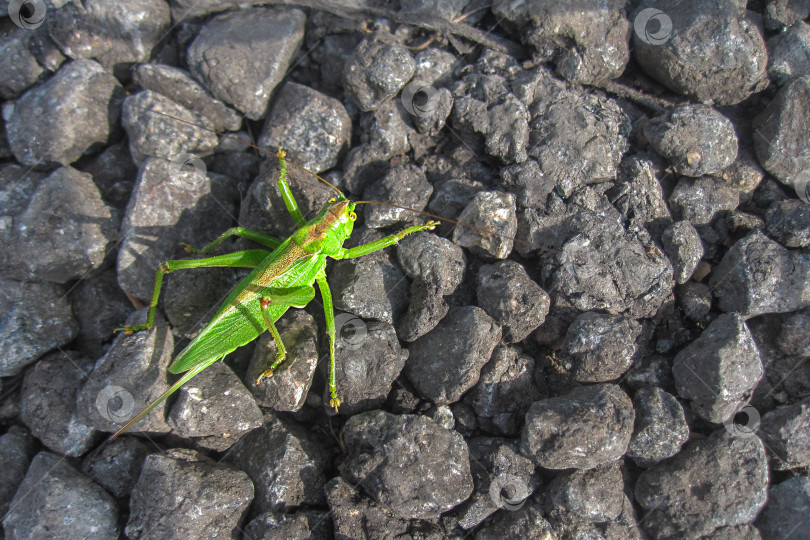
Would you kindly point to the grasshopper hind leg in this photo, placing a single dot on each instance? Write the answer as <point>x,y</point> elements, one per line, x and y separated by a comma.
<point>296,297</point>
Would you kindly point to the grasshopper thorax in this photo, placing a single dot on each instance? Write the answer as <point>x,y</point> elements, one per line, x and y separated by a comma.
<point>329,229</point>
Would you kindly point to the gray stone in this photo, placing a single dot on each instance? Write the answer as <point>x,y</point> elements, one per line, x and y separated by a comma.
<point>789,222</point>
<point>56,501</point>
<point>701,200</point>
<point>115,34</point>
<point>426,309</point>
<point>398,461</point>
<point>313,128</point>
<point>376,70</point>
<point>758,276</point>
<point>600,347</point>
<point>589,426</point>
<point>36,318</point>
<point>527,182</point>
<point>116,466</point>
<point>779,13</point>
<point>63,233</point>
<point>683,247</point>
<point>286,463</point>
<point>309,524</point>
<point>786,433</point>
<point>49,393</point>
<point>526,522</point>
<point>594,495</point>
<point>243,73</point>
<point>512,298</point>
<point>696,139</point>
<point>17,448</point>
<point>794,339</point>
<point>719,371</point>
<point>660,429</point>
<point>44,128</point>
<point>786,515</point>
<point>488,224</point>
<point>99,306</point>
<point>403,185</point>
<point>712,483</point>
<point>217,498</point>
<point>18,64</point>
<point>789,53</point>
<point>705,49</point>
<point>471,335</point>
<point>434,260</point>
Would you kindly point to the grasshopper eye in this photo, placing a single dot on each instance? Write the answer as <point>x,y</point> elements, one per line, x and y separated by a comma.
<point>352,216</point>
<point>332,200</point>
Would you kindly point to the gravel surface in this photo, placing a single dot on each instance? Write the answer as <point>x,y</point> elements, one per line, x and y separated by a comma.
<point>612,344</point>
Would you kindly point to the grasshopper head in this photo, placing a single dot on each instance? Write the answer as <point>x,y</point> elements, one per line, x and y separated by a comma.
<point>332,226</point>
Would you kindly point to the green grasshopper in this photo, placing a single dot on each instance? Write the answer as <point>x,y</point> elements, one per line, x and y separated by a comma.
<point>280,279</point>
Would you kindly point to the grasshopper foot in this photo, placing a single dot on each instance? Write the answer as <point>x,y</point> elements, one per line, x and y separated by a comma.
<point>189,248</point>
<point>430,225</point>
<point>130,329</point>
<point>269,371</point>
<point>334,402</point>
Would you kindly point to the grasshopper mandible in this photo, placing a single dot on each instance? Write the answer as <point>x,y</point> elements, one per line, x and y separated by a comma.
<point>281,278</point>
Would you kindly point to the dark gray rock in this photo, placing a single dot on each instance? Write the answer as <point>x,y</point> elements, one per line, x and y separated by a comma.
<point>490,117</point>
<point>371,287</point>
<point>707,50</point>
<point>502,478</point>
<point>429,108</point>
<point>468,335</point>
<point>433,260</point>
<point>116,466</point>
<point>113,172</point>
<point>789,222</point>
<point>683,247</point>
<point>715,482</point>
<point>719,370</point>
<point>285,462</point>
<point>505,390</point>
<point>36,318</point>
<point>426,308</point>
<point>243,73</point>
<point>369,358</point>
<point>740,532</point>
<point>49,403</point>
<point>779,133</point>
<point>17,62</point>
<point>100,307</point>
<point>357,516</point>
<point>758,276</point>
<point>158,127</point>
<point>696,139</point>
<point>700,200</point>
<point>527,522</point>
<point>309,524</point>
<point>314,129</point>
<point>376,70</point>
<point>214,403</point>
<point>589,426</point>
<point>600,347</point>
<point>398,459</point>
<point>17,448</point>
<point>512,298</point>
<point>287,389</point>
<point>63,233</point>
<point>447,9</point>
<point>403,185</point>
<point>170,204</point>
<point>57,501</point>
<point>527,182</point>
<point>488,224</point>
<point>789,53</point>
<point>127,378</point>
<point>786,515</point>
<point>177,85</point>
<point>114,34</point>
<point>779,13</point>
<point>638,193</point>
<point>593,495</point>
<point>589,44</point>
<point>786,433</point>
<point>660,429</point>
<point>216,498</point>
<point>794,339</point>
<point>44,128</point>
